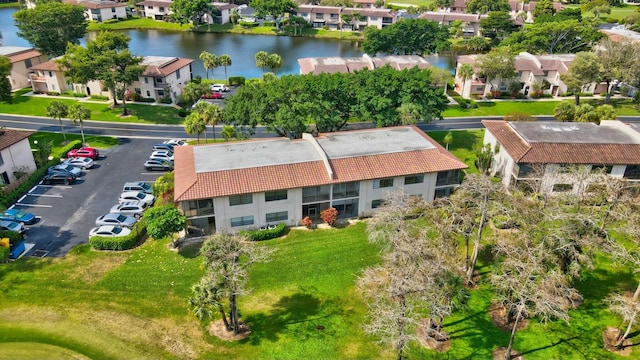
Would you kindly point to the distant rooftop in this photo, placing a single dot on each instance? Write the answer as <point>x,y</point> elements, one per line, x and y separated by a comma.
<point>8,50</point>
<point>573,132</point>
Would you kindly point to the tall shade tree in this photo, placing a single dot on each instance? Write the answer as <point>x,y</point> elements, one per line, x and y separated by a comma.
<point>224,60</point>
<point>555,37</point>
<point>465,73</point>
<point>262,58</point>
<point>407,37</point>
<point>5,85</point>
<point>227,259</point>
<point>193,124</point>
<point>186,11</point>
<point>78,114</point>
<point>192,91</point>
<point>584,69</point>
<point>543,8</point>
<point>619,60</point>
<point>51,26</point>
<point>275,8</point>
<point>106,58</point>
<point>497,64</point>
<point>57,110</point>
<point>274,62</point>
<point>497,25</point>
<point>486,6</point>
<point>210,61</point>
<point>163,221</point>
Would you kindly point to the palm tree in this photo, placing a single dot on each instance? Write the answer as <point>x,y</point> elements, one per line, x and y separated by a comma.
<point>225,60</point>
<point>261,59</point>
<point>206,295</point>
<point>228,132</point>
<point>274,61</point>
<point>193,124</point>
<point>210,61</point>
<point>57,110</point>
<point>465,73</point>
<point>78,114</point>
<point>210,114</point>
<point>409,113</point>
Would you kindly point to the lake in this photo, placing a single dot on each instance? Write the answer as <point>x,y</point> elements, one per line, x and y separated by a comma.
<point>241,48</point>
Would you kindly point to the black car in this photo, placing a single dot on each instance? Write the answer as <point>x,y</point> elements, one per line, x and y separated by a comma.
<point>59,178</point>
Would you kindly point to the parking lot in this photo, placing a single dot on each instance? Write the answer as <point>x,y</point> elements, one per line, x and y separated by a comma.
<point>67,213</point>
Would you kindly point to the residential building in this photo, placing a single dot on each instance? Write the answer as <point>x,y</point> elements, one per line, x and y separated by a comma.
<point>362,18</point>
<point>101,10</point>
<point>352,64</point>
<point>320,16</point>
<point>22,60</point>
<point>532,72</point>
<point>16,158</point>
<point>163,78</point>
<point>458,7</point>
<point>239,185</point>
<point>365,4</point>
<point>223,16</point>
<point>331,17</point>
<point>154,9</point>
<point>470,22</point>
<point>562,156</point>
<point>525,10</point>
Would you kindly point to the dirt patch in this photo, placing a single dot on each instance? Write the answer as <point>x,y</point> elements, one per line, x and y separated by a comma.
<point>610,338</point>
<point>218,330</point>
<point>431,343</point>
<point>498,314</point>
<point>500,353</point>
<point>95,270</point>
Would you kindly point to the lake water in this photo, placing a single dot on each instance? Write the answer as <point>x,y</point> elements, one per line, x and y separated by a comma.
<point>241,48</point>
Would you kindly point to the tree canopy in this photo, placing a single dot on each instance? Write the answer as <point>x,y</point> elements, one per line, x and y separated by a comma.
<point>275,8</point>
<point>485,6</point>
<point>185,11</point>
<point>407,37</point>
<point>51,26</point>
<point>5,85</point>
<point>555,37</point>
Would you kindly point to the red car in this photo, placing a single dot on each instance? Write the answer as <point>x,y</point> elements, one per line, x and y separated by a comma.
<point>84,152</point>
<point>214,95</point>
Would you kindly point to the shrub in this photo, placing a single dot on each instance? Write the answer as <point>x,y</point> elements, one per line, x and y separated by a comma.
<point>53,93</point>
<point>267,234</point>
<point>166,100</point>
<point>98,97</point>
<point>120,243</point>
<point>13,236</point>
<point>146,100</point>
<point>183,112</point>
<point>236,80</point>
<point>504,222</point>
<point>4,254</point>
<point>248,24</point>
<point>307,222</point>
<point>330,216</point>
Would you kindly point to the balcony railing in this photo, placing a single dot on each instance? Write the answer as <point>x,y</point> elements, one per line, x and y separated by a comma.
<point>38,78</point>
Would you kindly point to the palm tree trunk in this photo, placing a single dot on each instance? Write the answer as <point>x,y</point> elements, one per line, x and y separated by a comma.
<point>476,243</point>
<point>235,321</point>
<point>224,318</point>
<point>214,132</point>
<point>82,132</point>
<point>64,136</point>
<point>507,355</point>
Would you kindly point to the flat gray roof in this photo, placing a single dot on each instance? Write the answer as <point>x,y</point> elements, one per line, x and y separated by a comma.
<point>249,154</point>
<point>364,143</point>
<point>573,132</point>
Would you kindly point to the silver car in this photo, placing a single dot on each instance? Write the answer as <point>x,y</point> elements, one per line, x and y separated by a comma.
<point>116,220</point>
<point>109,231</point>
<point>81,162</point>
<point>137,195</point>
<point>129,208</point>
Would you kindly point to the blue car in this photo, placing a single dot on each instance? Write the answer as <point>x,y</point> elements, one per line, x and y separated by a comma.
<point>18,216</point>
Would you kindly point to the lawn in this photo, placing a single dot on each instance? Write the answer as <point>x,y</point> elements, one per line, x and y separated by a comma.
<point>501,108</point>
<point>464,145</point>
<point>137,23</point>
<point>100,142</point>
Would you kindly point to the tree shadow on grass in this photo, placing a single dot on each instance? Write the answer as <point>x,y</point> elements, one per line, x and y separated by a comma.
<point>301,313</point>
<point>562,341</point>
<point>462,139</point>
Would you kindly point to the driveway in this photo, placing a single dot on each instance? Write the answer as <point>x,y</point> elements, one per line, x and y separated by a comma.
<point>67,213</point>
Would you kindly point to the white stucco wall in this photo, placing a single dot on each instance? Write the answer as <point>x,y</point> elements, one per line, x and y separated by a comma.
<point>17,156</point>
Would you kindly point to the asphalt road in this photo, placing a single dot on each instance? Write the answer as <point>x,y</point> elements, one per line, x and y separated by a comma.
<point>67,213</point>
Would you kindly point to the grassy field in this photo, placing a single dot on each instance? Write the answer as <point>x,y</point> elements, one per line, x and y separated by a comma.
<point>100,142</point>
<point>138,23</point>
<point>464,145</point>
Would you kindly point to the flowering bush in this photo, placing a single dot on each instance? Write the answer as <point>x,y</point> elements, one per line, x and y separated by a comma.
<point>306,221</point>
<point>330,216</point>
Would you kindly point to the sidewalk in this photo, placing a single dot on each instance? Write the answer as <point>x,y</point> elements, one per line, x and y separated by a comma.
<point>88,100</point>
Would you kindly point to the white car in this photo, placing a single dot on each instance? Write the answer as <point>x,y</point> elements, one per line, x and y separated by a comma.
<point>130,208</point>
<point>109,231</point>
<point>116,220</point>
<point>137,195</point>
<point>219,88</point>
<point>83,163</point>
<point>162,155</point>
<point>176,142</point>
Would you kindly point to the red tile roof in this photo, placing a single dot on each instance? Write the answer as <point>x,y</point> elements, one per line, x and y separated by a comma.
<point>24,55</point>
<point>165,68</point>
<point>560,153</point>
<point>11,137</point>
<point>191,185</point>
<point>50,65</point>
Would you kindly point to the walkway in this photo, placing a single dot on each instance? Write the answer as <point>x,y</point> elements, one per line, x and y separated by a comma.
<point>89,100</point>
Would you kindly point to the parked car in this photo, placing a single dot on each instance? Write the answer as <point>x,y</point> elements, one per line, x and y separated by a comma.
<point>65,168</point>
<point>176,142</point>
<point>109,231</point>
<point>162,155</point>
<point>137,195</point>
<point>214,95</point>
<point>116,220</point>
<point>84,152</point>
<point>83,163</point>
<point>18,216</point>
<point>165,147</point>
<point>219,88</point>
<point>157,164</point>
<point>12,226</point>
<point>138,186</point>
<point>59,178</point>
<point>129,208</point>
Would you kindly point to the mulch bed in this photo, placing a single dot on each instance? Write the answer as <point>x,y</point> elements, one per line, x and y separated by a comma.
<point>609,337</point>
<point>498,314</point>
<point>430,343</point>
<point>499,354</point>
<point>218,330</point>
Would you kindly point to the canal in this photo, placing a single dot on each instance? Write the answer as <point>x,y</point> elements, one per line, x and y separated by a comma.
<point>241,48</point>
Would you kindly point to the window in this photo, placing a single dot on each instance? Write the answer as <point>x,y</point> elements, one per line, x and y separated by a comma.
<point>346,208</point>
<point>160,92</point>
<point>277,216</point>
<point>150,7</point>
<point>443,192</point>
<point>373,18</point>
<point>524,170</point>
<point>564,168</point>
<point>382,183</point>
<point>601,169</point>
<point>240,199</point>
<point>376,203</point>
<point>562,187</point>
<point>161,9</point>
<point>53,87</point>
<point>414,179</point>
<point>275,195</point>
<point>1,160</point>
<point>146,80</point>
<point>50,74</point>
<point>137,90</point>
<point>242,221</point>
<point>334,16</point>
<point>632,172</point>
<point>346,190</point>
<point>159,80</point>
<point>316,193</point>
<point>451,177</point>
<point>303,14</point>
<point>148,93</point>
<point>113,10</point>
<point>28,63</point>
<point>4,178</point>
<point>178,74</point>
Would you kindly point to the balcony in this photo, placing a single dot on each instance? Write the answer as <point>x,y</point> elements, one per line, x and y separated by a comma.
<point>35,78</point>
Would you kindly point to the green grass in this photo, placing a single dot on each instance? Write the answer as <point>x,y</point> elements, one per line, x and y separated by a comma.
<point>501,108</point>
<point>10,5</point>
<point>463,146</point>
<point>101,142</point>
<point>617,12</point>
<point>138,23</point>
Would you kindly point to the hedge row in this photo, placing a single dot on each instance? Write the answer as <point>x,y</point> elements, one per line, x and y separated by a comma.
<point>236,80</point>
<point>130,241</point>
<point>13,236</point>
<point>260,235</point>
<point>4,254</point>
<point>11,197</point>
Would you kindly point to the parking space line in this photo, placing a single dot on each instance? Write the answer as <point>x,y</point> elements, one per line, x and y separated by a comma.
<point>149,173</point>
<point>34,205</point>
<point>11,207</point>
<point>57,186</point>
<point>22,198</point>
<point>45,195</point>
<point>33,188</point>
